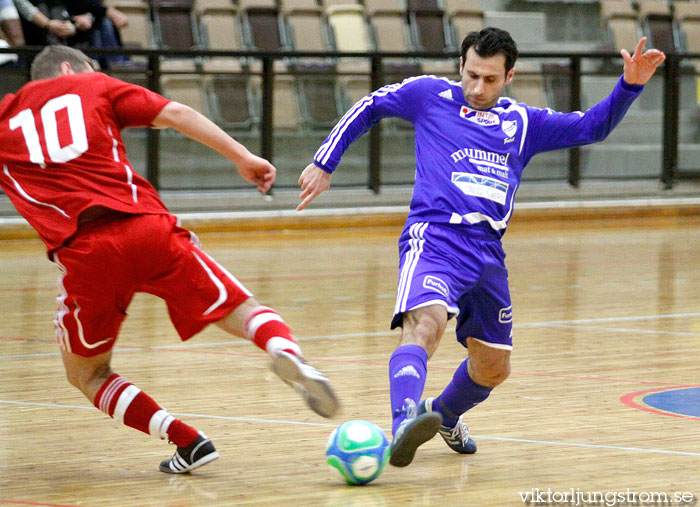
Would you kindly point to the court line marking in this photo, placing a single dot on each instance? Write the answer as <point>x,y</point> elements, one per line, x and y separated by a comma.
<point>22,502</point>
<point>610,319</point>
<point>184,346</point>
<point>621,329</point>
<point>553,323</point>
<point>239,341</point>
<point>629,399</point>
<point>328,425</point>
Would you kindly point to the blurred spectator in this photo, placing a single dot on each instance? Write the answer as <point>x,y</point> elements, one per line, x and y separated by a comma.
<point>96,26</point>
<point>44,24</point>
<point>10,25</point>
<point>79,23</point>
<point>6,59</point>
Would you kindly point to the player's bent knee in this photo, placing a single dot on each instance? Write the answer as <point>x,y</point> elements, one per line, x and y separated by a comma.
<point>490,374</point>
<point>83,376</point>
<point>500,375</point>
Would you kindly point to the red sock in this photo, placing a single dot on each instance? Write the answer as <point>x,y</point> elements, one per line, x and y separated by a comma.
<point>266,329</point>
<point>123,401</point>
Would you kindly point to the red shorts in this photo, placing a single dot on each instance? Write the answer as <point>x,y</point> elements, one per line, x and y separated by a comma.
<point>112,258</point>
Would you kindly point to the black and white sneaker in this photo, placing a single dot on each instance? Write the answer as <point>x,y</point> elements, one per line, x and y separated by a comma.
<point>198,453</point>
<point>313,386</point>
<point>413,432</point>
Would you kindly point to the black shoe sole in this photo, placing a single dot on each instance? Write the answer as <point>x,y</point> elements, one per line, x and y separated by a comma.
<point>421,430</point>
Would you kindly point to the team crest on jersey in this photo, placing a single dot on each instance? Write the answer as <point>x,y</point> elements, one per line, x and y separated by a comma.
<point>509,127</point>
<point>484,118</point>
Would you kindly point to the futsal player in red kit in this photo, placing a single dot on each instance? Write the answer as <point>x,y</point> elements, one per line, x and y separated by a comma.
<point>64,167</point>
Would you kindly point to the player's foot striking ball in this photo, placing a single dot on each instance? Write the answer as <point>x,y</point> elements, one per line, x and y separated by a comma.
<point>413,433</point>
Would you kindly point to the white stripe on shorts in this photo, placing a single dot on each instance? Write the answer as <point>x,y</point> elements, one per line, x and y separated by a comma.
<point>223,293</point>
<point>416,243</point>
<point>228,273</point>
<point>62,310</point>
<point>494,345</point>
<point>404,270</point>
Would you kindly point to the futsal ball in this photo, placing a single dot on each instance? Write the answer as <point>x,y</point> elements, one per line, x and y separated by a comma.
<point>358,450</point>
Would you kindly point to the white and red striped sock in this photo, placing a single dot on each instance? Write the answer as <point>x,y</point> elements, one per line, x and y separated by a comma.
<point>266,329</point>
<point>123,401</point>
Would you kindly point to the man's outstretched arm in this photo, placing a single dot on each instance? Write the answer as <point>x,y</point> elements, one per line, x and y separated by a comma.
<point>196,126</point>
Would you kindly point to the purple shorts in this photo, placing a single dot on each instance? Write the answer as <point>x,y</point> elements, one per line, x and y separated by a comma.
<point>463,270</point>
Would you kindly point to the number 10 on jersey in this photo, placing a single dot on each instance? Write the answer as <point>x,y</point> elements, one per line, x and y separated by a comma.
<point>76,122</point>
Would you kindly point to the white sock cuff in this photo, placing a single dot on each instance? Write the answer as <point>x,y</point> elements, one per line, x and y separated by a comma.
<point>125,399</point>
<point>159,424</point>
<point>259,320</point>
<point>278,343</point>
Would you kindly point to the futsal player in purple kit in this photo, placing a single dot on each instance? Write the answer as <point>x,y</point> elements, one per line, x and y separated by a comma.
<point>471,148</point>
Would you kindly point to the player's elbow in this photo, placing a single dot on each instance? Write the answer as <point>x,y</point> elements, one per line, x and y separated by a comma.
<point>173,115</point>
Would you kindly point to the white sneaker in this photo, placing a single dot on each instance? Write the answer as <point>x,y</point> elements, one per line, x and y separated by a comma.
<point>313,386</point>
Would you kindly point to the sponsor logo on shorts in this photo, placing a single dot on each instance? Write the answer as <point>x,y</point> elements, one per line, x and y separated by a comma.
<point>434,283</point>
<point>505,315</point>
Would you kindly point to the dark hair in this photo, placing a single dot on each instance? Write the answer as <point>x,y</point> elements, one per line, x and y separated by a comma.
<point>47,63</point>
<point>489,42</point>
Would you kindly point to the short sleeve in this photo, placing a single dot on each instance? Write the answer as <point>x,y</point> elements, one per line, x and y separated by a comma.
<point>133,105</point>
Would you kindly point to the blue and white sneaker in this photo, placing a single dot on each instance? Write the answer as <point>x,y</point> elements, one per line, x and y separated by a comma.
<point>198,453</point>
<point>456,437</point>
<point>413,432</point>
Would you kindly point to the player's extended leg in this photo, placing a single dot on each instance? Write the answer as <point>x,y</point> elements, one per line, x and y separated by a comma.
<point>422,330</point>
<point>266,329</point>
<point>123,401</point>
<point>485,327</point>
<point>485,368</point>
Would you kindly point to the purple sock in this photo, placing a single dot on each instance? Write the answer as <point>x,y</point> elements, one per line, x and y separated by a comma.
<point>407,372</point>
<point>460,395</point>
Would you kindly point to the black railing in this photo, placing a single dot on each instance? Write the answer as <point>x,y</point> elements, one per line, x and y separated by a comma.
<point>671,91</point>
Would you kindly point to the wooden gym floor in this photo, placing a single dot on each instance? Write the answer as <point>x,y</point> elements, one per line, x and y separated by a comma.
<point>606,311</point>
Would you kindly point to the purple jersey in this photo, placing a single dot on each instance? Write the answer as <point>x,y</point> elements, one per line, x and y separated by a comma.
<point>469,162</point>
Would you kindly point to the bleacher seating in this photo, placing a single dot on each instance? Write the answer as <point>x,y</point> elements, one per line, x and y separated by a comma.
<point>311,94</point>
<point>464,16</point>
<point>619,19</point>
<point>657,22</point>
<point>348,27</point>
<point>262,24</point>
<point>687,16</point>
<point>305,26</point>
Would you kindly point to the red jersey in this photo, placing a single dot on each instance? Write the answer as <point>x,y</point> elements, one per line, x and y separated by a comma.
<point>61,150</point>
